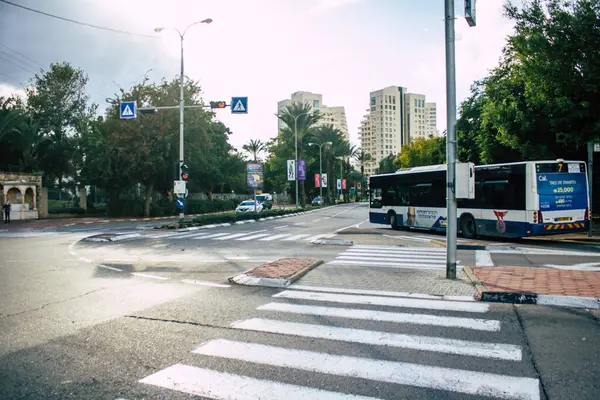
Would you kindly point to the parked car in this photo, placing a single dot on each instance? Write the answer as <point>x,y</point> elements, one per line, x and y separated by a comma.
<point>248,205</point>
<point>266,200</point>
<point>317,201</point>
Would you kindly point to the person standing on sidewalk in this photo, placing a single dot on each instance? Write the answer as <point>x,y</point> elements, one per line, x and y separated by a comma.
<point>6,209</point>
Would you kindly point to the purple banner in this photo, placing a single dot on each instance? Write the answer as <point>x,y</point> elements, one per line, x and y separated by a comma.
<point>301,170</point>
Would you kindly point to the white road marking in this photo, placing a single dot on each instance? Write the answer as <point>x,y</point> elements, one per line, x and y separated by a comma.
<point>149,276</point>
<point>408,238</point>
<point>111,268</point>
<point>408,265</point>
<point>483,258</point>
<point>233,236</point>
<point>296,237</point>
<point>425,376</point>
<point>315,237</point>
<point>378,338</point>
<point>474,307</point>
<point>274,237</point>
<point>213,235</point>
<point>281,227</point>
<point>577,267</point>
<point>398,248</point>
<point>225,386</point>
<point>379,256</point>
<point>204,283</point>
<point>254,236</point>
<point>371,315</point>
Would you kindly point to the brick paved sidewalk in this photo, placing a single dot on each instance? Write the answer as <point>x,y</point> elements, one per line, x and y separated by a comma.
<point>279,273</point>
<point>534,280</point>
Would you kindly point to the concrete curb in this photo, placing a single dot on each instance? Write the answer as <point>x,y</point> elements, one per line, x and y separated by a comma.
<point>439,243</point>
<point>114,238</point>
<point>249,280</point>
<point>530,298</point>
<point>336,242</point>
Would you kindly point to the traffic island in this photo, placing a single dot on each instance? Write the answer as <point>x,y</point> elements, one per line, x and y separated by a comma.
<point>110,237</point>
<point>533,285</point>
<point>280,273</point>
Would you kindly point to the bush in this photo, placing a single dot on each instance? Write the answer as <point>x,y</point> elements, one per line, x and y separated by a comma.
<point>66,210</point>
<point>233,217</point>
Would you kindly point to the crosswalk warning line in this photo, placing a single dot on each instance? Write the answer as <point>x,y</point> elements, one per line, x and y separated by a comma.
<point>416,375</point>
<point>296,237</point>
<point>385,316</point>
<point>274,237</point>
<point>254,236</point>
<point>224,386</point>
<point>474,307</point>
<point>497,351</point>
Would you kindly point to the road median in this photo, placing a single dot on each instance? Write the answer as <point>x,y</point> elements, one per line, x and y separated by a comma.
<point>280,273</point>
<point>536,285</point>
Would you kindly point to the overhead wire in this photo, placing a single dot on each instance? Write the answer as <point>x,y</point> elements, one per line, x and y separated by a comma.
<point>76,22</point>
<point>29,60</point>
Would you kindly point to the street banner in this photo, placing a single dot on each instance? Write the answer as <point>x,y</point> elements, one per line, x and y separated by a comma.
<point>291,170</point>
<point>339,184</point>
<point>301,170</point>
<point>324,180</point>
<point>254,175</point>
<point>317,181</point>
<point>343,184</point>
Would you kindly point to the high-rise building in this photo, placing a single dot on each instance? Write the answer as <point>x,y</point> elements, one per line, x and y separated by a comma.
<point>394,118</point>
<point>335,116</point>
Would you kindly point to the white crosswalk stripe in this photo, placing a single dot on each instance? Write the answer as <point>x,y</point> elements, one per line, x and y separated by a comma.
<point>261,235</point>
<point>393,257</point>
<point>326,363</point>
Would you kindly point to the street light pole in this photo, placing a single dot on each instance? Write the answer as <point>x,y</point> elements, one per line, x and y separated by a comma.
<point>451,222</point>
<point>320,166</point>
<point>181,98</point>
<point>296,157</point>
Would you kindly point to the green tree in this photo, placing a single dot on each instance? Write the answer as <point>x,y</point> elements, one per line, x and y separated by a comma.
<point>386,165</point>
<point>420,152</point>
<point>58,103</point>
<point>254,147</point>
<point>332,154</point>
<point>303,118</point>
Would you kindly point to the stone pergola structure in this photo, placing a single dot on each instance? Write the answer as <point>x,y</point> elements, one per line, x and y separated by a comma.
<point>23,191</point>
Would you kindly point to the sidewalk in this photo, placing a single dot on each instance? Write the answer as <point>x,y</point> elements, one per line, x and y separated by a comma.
<point>536,285</point>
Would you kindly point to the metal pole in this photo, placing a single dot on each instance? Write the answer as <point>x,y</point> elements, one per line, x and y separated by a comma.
<point>181,110</point>
<point>296,174</point>
<point>451,228</point>
<point>254,197</point>
<point>320,172</point>
<point>590,181</point>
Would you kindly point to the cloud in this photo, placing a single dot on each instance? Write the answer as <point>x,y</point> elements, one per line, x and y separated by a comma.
<point>7,90</point>
<point>327,5</point>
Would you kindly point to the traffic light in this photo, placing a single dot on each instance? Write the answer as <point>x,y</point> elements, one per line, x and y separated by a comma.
<point>184,173</point>
<point>218,104</point>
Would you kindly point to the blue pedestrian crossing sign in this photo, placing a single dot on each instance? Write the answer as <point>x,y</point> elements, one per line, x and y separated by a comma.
<point>128,110</point>
<point>239,105</point>
<point>180,203</point>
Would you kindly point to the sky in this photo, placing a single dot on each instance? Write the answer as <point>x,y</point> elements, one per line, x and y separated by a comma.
<point>262,49</point>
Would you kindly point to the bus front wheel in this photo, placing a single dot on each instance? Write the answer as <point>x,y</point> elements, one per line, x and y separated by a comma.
<point>468,227</point>
<point>394,222</point>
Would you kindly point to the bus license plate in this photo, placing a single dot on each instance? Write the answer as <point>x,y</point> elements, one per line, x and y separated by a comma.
<point>561,219</point>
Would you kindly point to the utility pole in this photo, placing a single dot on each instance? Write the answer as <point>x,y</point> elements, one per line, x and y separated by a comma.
<point>451,221</point>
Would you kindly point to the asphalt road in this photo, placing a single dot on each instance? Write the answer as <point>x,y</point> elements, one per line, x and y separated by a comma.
<point>122,320</point>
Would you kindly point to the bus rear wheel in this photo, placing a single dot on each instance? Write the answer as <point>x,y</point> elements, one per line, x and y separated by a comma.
<point>468,227</point>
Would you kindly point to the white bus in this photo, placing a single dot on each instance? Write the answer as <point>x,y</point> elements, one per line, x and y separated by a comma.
<point>511,200</point>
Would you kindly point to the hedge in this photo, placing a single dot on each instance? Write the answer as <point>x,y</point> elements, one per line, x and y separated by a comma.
<point>233,217</point>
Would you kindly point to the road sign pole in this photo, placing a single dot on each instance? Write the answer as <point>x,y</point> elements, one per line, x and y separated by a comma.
<point>320,173</point>
<point>590,182</point>
<point>181,111</point>
<point>451,222</point>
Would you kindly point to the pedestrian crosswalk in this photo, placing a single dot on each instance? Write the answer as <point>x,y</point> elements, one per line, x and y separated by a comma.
<point>264,235</point>
<point>393,257</point>
<point>323,319</point>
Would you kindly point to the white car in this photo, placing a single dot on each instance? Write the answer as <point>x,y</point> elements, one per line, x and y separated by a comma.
<point>249,206</point>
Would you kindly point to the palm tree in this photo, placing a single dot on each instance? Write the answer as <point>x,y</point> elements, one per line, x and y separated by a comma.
<point>254,147</point>
<point>300,120</point>
<point>362,157</point>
